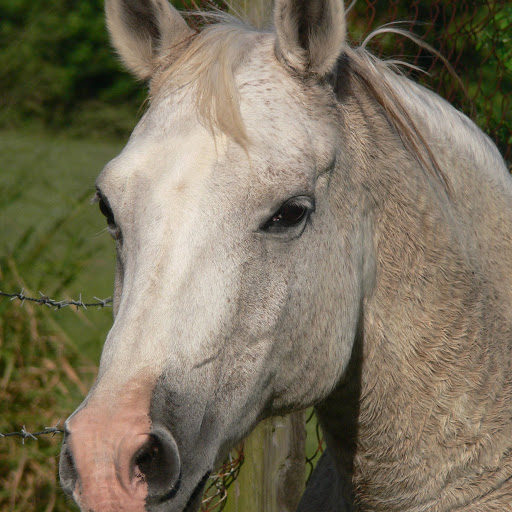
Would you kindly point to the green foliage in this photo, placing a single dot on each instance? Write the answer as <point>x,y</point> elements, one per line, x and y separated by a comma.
<point>494,46</point>
<point>496,37</point>
<point>56,61</point>
<point>53,240</point>
<point>57,67</point>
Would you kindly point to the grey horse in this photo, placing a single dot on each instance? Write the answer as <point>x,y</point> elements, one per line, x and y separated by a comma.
<point>297,224</point>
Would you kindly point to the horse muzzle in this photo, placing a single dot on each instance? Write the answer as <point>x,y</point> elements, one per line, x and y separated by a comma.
<point>116,460</point>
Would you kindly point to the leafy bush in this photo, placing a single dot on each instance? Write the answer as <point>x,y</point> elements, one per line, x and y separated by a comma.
<point>56,58</point>
<point>57,67</point>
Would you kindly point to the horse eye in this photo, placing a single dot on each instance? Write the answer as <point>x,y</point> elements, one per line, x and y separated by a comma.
<point>107,212</point>
<point>289,215</point>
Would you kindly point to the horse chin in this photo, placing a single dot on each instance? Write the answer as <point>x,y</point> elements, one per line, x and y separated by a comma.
<point>195,498</point>
<point>173,503</point>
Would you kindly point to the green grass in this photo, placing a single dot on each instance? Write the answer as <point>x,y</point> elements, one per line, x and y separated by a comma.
<point>50,228</point>
<point>53,240</point>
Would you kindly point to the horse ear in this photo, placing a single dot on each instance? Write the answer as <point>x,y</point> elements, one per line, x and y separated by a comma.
<point>310,34</point>
<point>142,30</point>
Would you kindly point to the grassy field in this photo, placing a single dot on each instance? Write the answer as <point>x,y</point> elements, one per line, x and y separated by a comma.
<point>50,229</point>
<point>53,240</point>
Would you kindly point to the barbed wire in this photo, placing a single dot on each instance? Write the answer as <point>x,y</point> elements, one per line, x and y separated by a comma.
<point>216,493</point>
<point>25,434</point>
<point>58,304</point>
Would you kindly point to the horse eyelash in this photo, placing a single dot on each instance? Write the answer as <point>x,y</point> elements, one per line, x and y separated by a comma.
<point>96,198</point>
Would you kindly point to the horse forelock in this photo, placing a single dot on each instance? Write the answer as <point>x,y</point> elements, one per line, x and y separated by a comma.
<point>208,65</point>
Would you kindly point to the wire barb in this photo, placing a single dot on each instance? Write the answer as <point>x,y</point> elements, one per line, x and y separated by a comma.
<point>58,304</point>
<point>25,434</point>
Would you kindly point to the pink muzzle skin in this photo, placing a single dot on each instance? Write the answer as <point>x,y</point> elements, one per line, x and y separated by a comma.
<point>104,450</point>
<point>113,456</point>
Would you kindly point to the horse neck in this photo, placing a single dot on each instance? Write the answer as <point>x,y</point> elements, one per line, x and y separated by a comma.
<point>422,418</point>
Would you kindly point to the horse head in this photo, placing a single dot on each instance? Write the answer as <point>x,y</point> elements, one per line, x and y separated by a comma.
<point>226,206</point>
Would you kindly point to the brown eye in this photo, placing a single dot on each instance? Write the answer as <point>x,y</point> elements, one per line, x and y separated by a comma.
<point>291,214</point>
<point>107,212</point>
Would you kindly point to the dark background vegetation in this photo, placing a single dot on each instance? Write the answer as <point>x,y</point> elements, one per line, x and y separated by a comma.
<point>66,108</point>
<point>57,69</point>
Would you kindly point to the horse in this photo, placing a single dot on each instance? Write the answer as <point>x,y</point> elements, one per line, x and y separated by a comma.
<point>297,225</point>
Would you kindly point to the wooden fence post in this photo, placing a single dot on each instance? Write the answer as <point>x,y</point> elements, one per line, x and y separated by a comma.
<point>272,477</point>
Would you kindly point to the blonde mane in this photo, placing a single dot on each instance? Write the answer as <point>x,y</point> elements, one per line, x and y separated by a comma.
<point>212,56</point>
<point>210,61</point>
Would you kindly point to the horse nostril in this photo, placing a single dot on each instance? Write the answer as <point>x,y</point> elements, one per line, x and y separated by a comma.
<point>67,471</point>
<point>158,463</point>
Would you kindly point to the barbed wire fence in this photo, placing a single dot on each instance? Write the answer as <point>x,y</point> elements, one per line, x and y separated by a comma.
<point>25,434</point>
<point>216,492</point>
<point>44,300</point>
<point>471,36</point>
